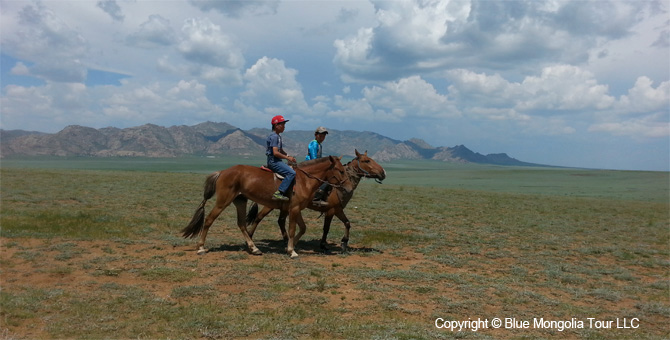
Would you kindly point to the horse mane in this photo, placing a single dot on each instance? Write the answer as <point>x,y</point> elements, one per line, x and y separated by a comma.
<point>349,162</point>
<point>314,161</point>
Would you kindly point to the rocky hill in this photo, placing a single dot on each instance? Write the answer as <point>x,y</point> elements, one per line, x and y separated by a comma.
<point>211,139</point>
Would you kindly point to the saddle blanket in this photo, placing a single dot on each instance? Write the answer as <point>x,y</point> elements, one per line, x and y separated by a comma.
<point>263,167</point>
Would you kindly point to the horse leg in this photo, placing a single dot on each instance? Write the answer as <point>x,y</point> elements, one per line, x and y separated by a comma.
<point>261,215</point>
<point>303,227</point>
<point>293,215</point>
<point>281,221</point>
<point>211,217</point>
<point>345,239</point>
<point>326,230</point>
<point>241,205</point>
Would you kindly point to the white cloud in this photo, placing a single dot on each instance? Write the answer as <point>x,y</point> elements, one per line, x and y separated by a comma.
<point>274,85</point>
<point>352,110</point>
<point>184,101</point>
<point>51,106</point>
<point>205,43</point>
<point>353,55</point>
<point>154,32</point>
<point>546,126</point>
<point>559,99</point>
<point>112,8</point>
<point>409,98</point>
<point>663,40</point>
<point>420,37</point>
<point>20,69</point>
<point>48,42</point>
<point>650,126</point>
<point>237,8</point>
<point>130,105</point>
<point>557,90</point>
<point>412,96</point>
<point>644,98</point>
<point>562,88</point>
<point>643,113</point>
<point>212,55</point>
<point>471,88</point>
<point>18,97</point>
<point>72,70</point>
<point>486,72</point>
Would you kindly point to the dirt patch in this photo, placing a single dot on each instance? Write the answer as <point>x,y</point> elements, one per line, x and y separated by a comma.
<point>365,285</point>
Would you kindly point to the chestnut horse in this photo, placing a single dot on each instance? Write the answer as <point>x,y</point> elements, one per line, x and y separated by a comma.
<point>359,167</point>
<point>241,182</point>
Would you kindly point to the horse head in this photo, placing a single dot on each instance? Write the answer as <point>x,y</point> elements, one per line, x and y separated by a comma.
<point>368,167</point>
<point>338,177</point>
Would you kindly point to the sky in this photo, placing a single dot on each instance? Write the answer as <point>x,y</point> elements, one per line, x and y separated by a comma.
<point>566,83</point>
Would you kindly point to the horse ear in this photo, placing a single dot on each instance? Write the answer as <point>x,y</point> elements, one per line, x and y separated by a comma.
<point>341,157</point>
<point>366,152</point>
<point>357,154</point>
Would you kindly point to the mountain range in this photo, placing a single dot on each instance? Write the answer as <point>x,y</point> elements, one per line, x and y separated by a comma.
<point>221,139</point>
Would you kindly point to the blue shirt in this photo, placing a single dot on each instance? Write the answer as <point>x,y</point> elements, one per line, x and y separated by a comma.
<point>274,140</point>
<point>313,150</point>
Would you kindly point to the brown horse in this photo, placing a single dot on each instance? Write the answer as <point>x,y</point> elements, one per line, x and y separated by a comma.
<point>241,182</point>
<point>359,167</point>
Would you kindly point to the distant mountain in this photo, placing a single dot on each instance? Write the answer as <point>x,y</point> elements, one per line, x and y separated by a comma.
<point>211,138</point>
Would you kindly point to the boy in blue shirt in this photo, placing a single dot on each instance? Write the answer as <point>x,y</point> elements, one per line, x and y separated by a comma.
<point>314,149</point>
<point>313,152</point>
<point>275,153</point>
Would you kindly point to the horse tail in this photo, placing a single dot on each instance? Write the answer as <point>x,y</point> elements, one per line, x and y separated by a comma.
<point>194,227</point>
<point>253,212</point>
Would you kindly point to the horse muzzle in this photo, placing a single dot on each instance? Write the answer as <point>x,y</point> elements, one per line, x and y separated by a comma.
<point>380,177</point>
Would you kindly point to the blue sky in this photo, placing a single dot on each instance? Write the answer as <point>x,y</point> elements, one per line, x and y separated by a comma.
<point>569,83</point>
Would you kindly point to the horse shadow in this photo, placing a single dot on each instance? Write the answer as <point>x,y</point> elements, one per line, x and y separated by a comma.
<point>306,247</point>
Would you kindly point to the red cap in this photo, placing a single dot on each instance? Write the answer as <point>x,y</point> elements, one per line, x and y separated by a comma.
<point>278,119</point>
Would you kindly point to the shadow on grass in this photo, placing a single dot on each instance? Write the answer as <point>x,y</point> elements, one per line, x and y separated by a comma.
<point>304,247</point>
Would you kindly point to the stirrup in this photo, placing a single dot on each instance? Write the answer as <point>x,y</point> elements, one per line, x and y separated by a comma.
<point>320,203</point>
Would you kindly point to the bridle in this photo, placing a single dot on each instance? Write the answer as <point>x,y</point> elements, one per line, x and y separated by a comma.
<point>365,173</point>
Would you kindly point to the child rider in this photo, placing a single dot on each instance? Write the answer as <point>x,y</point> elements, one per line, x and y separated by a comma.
<point>314,150</point>
<point>275,153</point>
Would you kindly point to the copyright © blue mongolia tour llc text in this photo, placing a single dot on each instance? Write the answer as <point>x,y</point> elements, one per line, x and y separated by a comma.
<point>536,323</point>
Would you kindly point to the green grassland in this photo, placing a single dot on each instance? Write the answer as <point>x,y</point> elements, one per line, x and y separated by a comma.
<point>91,249</point>
<point>609,184</point>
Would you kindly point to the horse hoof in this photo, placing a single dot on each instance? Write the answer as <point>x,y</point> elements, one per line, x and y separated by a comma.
<point>202,251</point>
<point>294,255</point>
<point>345,247</point>
<point>256,251</point>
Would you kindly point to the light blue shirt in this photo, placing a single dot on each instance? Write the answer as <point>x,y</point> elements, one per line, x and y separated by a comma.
<point>313,150</point>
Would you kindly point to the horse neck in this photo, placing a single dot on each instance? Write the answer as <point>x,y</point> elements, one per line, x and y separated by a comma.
<point>318,170</point>
<point>354,176</point>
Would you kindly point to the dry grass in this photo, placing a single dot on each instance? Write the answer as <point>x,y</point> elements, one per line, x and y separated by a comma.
<point>96,254</point>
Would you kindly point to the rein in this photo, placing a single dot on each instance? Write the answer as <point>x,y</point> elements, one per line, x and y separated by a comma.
<point>339,185</point>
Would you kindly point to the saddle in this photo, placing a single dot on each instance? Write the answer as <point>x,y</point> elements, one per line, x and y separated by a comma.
<point>280,177</point>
